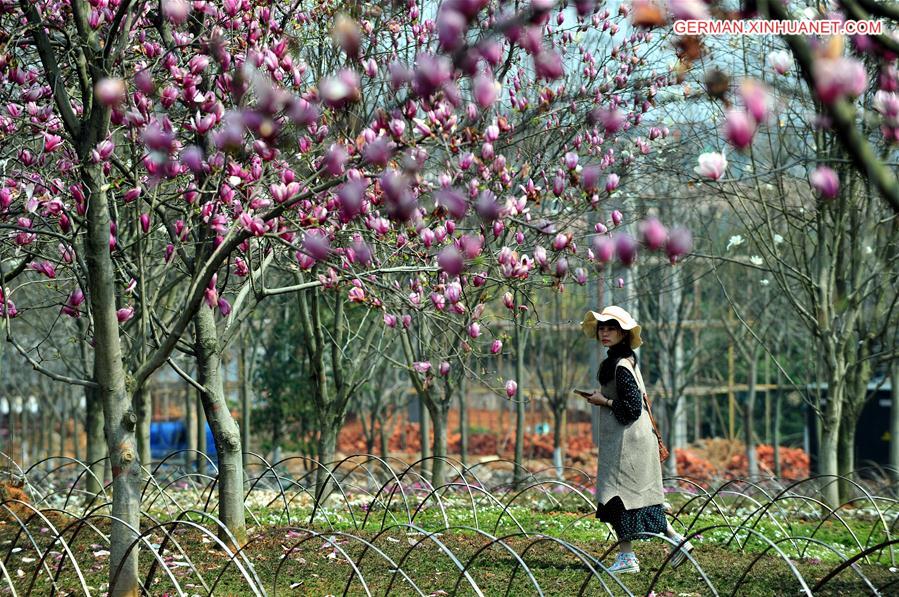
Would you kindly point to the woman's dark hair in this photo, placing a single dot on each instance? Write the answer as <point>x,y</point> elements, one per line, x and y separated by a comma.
<point>612,323</point>
<point>622,350</point>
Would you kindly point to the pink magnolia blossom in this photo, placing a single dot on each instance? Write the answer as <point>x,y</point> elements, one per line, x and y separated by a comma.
<point>341,90</point>
<point>680,242</point>
<point>356,295</point>
<point>781,61</point>
<point>654,233</point>
<point>176,11</point>
<point>44,267</point>
<point>561,241</point>
<point>619,282</point>
<point>451,261</point>
<point>422,366</point>
<point>508,300</point>
<point>511,388</point>
<point>711,165</point>
<point>474,330</point>
<point>485,90</point>
<point>739,128</point>
<point>580,276</point>
<point>443,368</point>
<point>626,248</point>
<point>224,306</point>
<point>51,142</point>
<point>540,256</point>
<point>124,314</point>
<point>839,78</point>
<point>496,347</point>
<point>603,249</point>
<point>110,91</point>
<point>617,217</point>
<point>612,182</point>
<point>756,98</point>
<point>689,10</point>
<point>825,181</point>
<point>548,65</point>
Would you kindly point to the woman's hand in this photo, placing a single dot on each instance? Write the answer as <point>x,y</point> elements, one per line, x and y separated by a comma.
<point>598,399</point>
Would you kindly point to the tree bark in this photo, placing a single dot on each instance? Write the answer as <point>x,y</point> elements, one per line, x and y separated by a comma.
<point>559,418</point>
<point>382,436</point>
<point>894,419</point>
<point>778,399</point>
<point>440,415</point>
<point>96,448</point>
<point>109,372</point>
<point>327,448</point>
<point>143,406</point>
<point>752,459</point>
<point>244,382</point>
<point>520,339</point>
<point>424,429</point>
<point>828,462</point>
<point>225,431</point>
<point>200,420</point>
<point>846,459</point>
<point>463,424</point>
<point>190,427</point>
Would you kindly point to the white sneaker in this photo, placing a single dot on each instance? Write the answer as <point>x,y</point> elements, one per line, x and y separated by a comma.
<point>681,555</point>
<point>625,563</point>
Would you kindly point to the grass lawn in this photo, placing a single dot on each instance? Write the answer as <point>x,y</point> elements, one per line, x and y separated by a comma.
<point>558,550</point>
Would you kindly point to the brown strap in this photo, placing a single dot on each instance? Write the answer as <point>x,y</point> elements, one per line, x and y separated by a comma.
<point>646,402</point>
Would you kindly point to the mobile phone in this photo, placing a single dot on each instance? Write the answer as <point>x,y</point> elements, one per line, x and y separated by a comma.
<point>584,393</point>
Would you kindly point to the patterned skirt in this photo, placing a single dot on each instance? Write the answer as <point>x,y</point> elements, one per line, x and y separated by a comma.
<point>629,523</point>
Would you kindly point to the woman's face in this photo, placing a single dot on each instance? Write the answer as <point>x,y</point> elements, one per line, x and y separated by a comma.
<point>610,335</point>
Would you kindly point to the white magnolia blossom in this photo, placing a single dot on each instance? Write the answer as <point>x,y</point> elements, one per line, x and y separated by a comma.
<point>756,260</point>
<point>778,239</point>
<point>764,282</point>
<point>734,241</point>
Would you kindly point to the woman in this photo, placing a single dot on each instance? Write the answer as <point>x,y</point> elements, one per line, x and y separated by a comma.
<point>629,476</point>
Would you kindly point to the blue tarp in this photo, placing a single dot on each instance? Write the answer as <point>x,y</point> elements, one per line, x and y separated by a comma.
<point>170,436</point>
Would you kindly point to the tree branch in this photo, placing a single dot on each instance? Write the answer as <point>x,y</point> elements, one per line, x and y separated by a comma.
<point>51,69</point>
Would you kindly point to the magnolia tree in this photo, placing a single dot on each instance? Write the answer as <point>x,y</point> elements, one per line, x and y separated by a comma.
<point>157,154</point>
<point>823,95</point>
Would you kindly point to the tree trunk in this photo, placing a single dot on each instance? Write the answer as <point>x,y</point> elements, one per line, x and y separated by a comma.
<point>559,418</point>
<point>520,339</point>
<point>440,415</point>
<point>382,435</point>
<point>244,382</point>
<point>846,459</point>
<point>189,425</point>
<point>201,434</point>
<point>96,448</point>
<point>752,459</point>
<point>425,433</point>
<point>463,424</point>
<point>277,429</point>
<point>109,373</point>
<point>827,463</point>
<point>225,431</point>
<point>66,413</point>
<point>894,419</point>
<point>327,448</point>
<point>143,406</point>
<point>778,399</point>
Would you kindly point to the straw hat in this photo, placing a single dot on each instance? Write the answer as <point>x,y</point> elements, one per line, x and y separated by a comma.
<point>613,313</point>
